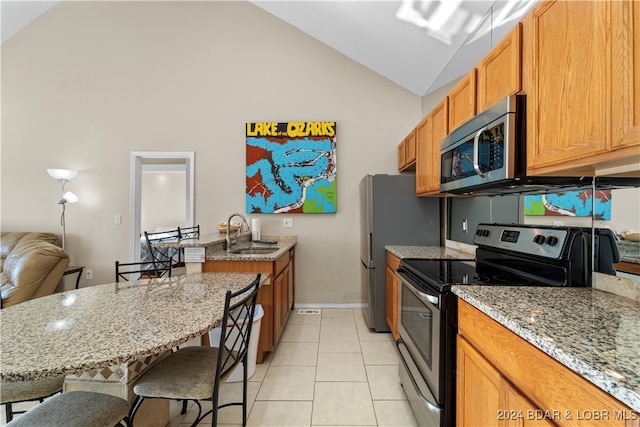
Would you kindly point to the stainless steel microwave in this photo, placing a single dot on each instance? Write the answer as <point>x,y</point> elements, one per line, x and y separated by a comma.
<point>487,155</point>
<point>488,149</point>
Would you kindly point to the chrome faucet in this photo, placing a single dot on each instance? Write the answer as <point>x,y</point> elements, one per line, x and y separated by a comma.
<point>244,230</point>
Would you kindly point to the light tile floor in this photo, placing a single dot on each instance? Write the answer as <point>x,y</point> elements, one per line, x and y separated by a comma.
<point>328,370</point>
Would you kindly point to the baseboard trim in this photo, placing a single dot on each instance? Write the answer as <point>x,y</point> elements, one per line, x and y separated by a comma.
<point>329,305</point>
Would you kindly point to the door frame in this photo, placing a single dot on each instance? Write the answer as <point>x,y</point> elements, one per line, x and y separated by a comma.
<point>137,158</point>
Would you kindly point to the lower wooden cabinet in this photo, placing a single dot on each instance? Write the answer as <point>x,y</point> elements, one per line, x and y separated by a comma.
<point>393,262</point>
<point>283,296</point>
<point>502,380</point>
<point>276,299</point>
<point>486,398</point>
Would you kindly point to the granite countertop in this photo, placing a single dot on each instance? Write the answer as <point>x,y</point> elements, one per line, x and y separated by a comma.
<point>284,244</point>
<point>594,333</point>
<point>629,251</point>
<point>215,247</point>
<point>428,252</point>
<point>100,326</point>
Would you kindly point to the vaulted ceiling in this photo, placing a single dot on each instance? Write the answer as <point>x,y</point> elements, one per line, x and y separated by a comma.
<point>420,45</point>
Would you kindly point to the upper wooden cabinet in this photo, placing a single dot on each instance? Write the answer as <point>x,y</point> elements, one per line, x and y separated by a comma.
<point>499,73</point>
<point>626,85</point>
<point>462,101</point>
<point>402,157</point>
<point>429,133</point>
<point>407,153</point>
<point>582,92</point>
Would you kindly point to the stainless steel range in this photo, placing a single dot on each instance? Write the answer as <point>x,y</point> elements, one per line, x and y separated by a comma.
<point>507,255</point>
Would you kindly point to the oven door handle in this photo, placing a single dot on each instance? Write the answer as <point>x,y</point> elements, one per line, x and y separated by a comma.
<point>430,298</point>
<point>476,143</point>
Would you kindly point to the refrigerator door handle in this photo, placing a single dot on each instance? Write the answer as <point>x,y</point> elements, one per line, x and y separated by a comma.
<point>370,245</point>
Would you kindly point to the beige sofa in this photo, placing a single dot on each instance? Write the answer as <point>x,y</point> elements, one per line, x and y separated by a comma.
<point>32,265</point>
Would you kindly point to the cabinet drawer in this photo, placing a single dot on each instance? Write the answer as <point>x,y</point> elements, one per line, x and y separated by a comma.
<point>280,264</point>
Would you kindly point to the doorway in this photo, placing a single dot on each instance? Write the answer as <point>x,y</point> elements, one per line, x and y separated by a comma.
<point>176,167</point>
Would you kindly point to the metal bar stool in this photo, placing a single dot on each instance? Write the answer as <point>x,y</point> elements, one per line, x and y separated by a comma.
<point>76,409</point>
<point>27,391</point>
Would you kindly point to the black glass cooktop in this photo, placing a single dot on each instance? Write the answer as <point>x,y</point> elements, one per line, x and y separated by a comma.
<point>444,273</point>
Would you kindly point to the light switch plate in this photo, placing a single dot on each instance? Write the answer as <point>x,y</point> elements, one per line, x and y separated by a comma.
<point>287,222</point>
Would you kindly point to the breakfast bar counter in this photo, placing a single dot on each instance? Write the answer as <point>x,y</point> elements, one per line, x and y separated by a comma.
<point>99,326</point>
<point>594,333</point>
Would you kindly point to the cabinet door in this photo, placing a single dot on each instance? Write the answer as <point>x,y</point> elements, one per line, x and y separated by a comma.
<point>429,133</point>
<point>522,413</point>
<point>568,72</point>
<point>626,83</point>
<point>410,148</point>
<point>477,389</point>
<point>402,158</point>
<point>285,307</point>
<point>462,100</point>
<point>392,303</point>
<point>393,262</point>
<point>499,73</point>
<point>278,296</point>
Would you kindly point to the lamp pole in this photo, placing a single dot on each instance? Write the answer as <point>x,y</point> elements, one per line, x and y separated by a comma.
<point>63,202</point>
<point>63,176</point>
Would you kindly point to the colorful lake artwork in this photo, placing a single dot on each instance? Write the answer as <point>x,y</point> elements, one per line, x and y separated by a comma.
<point>291,167</point>
<point>570,203</point>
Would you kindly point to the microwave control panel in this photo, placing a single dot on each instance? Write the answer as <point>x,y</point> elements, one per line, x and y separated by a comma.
<point>539,241</point>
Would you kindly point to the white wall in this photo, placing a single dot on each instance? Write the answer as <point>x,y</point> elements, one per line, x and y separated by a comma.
<point>89,82</point>
<point>163,200</point>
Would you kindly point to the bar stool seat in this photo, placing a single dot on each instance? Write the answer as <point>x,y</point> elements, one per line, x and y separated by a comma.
<point>25,391</point>
<point>76,409</point>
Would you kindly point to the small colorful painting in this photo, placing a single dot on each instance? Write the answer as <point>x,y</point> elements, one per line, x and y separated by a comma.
<point>291,167</point>
<point>570,203</point>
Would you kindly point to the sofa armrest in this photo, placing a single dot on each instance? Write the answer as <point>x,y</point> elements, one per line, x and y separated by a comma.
<point>32,270</point>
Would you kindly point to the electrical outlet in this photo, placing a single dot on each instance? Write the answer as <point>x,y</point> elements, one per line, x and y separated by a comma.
<point>287,222</point>
<point>89,274</point>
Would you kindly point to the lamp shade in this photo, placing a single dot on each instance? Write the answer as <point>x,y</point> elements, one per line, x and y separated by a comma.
<point>66,174</point>
<point>69,197</point>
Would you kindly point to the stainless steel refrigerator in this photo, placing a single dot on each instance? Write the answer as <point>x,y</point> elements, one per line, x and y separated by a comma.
<point>390,214</point>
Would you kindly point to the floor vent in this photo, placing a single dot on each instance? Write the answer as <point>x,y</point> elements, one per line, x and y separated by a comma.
<point>309,311</point>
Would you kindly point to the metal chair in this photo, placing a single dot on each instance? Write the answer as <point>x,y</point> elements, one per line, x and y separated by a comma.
<point>144,270</point>
<point>163,256</point>
<point>196,373</point>
<point>186,233</point>
<point>76,409</point>
<point>27,391</point>
<point>189,232</point>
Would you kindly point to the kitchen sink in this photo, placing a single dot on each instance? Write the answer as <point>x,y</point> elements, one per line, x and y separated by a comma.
<point>254,250</point>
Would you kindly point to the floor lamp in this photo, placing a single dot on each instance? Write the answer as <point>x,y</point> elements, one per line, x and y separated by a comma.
<point>63,176</point>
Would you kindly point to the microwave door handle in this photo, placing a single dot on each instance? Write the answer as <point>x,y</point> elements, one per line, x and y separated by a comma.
<point>476,143</point>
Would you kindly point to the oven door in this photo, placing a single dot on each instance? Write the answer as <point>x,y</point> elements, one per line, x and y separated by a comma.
<point>423,404</point>
<point>419,328</point>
